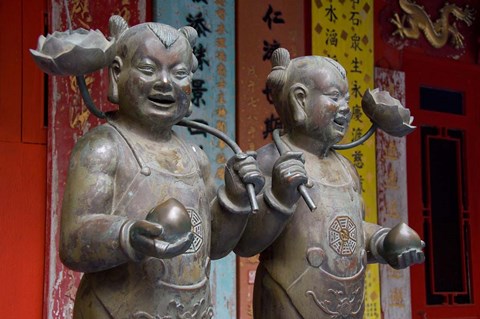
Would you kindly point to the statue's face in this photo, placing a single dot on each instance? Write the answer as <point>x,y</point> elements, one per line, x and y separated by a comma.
<point>328,113</point>
<point>154,84</point>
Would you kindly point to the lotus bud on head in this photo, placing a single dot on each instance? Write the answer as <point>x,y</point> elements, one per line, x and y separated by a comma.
<point>387,113</point>
<point>76,52</point>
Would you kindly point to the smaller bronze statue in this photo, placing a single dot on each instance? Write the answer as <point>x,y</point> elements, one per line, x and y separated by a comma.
<point>134,187</point>
<point>313,263</point>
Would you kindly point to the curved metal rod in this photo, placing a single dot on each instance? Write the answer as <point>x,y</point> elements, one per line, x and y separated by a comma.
<point>87,98</point>
<point>217,133</point>
<point>302,189</point>
<point>361,140</point>
<point>231,143</point>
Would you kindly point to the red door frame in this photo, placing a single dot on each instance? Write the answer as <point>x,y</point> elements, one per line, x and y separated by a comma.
<point>447,74</point>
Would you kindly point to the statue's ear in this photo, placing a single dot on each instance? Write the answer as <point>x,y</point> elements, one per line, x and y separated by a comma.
<point>113,74</point>
<point>297,97</point>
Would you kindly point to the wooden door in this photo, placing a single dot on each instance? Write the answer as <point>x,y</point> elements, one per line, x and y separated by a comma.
<point>443,184</point>
<point>23,162</point>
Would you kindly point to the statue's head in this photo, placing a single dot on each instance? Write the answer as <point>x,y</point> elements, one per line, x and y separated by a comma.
<point>150,77</point>
<point>310,94</point>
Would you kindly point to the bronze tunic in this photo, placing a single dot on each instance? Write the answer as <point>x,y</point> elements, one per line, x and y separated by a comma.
<point>319,259</point>
<point>155,288</point>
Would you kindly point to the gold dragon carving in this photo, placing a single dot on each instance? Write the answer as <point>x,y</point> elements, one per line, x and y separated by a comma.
<point>415,20</point>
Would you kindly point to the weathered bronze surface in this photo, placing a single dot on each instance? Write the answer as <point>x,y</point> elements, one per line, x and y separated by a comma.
<point>134,186</point>
<point>313,263</point>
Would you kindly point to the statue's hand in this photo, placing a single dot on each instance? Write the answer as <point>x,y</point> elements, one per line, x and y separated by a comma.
<point>146,238</point>
<point>288,173</point>
<point>242,169</point>
<point>165,249</point>
<point>402,247</point>
<point>407,258</point>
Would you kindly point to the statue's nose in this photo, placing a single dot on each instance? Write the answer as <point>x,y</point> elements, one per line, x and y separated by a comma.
<point>164,84</point>
<point>344,108</point>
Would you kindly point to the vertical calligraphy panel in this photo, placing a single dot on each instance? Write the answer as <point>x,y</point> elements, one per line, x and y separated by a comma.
<point>343,30</point>
<point>213,99</point>
<point>68,120</point>
<point>262,26</point>
<point>392,199</point>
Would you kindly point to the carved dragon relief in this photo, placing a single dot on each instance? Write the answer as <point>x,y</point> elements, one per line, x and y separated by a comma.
<point>416,20</point>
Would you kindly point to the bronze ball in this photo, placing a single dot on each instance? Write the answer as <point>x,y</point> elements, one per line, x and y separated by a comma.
<point>173,217</point>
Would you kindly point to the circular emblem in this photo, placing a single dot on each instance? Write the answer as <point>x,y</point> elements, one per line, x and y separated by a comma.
<point>197,230</point>
<point>342,236</point>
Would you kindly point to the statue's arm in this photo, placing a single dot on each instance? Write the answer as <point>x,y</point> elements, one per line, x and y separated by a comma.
<point>93,237</point>
<point>373,239</point>
<point>373,233</point>
<point>278,200</point>
<point>90,232</point>
<point>400,246</point>
<point>229,205</point>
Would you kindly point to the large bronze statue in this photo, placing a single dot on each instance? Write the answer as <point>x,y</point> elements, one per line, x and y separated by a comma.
<point>312,263</point>
<point>134,186</point>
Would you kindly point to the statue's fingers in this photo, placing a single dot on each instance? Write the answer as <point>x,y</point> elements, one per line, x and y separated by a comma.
<point>294,175</point>
<point>401,262</point>
<point>293,156</point>
<point>143,244</point>
<point>147,228</point>
<point>168,250</point>
<point>420,257</point>
<point>252,154</point>
<point>243,164</point>
<point>290,163</point>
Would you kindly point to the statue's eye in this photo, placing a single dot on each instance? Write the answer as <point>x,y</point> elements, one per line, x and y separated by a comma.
<point>181,73</point>
<point>147,69</point>
<point>334,96</point>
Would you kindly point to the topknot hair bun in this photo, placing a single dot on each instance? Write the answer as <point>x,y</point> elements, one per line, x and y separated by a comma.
<point>117,25</point>
<point>280,58</point>
<point>190,33</point>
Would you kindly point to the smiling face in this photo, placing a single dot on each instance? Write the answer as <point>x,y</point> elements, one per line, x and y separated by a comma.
<point>327,110</point>
<point>154,81</point>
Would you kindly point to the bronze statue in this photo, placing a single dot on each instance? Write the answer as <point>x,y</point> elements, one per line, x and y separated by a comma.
<point>312,263</point>
<point>134,185</point>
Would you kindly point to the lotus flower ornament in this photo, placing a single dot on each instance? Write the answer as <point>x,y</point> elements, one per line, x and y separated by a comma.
<point>76,52</point>
<point>387,113</point>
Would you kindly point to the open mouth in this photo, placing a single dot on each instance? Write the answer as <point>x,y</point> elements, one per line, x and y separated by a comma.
<point>162,100</point>
<point>340,120</point>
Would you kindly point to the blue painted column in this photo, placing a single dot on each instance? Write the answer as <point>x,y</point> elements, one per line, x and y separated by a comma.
<point>213,97</point>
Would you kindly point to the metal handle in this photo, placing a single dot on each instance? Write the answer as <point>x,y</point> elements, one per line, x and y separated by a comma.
<point>302,189</point>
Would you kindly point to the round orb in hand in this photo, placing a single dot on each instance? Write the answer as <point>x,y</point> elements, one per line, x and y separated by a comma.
<point>400,239</point>
<point>173,217</point>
